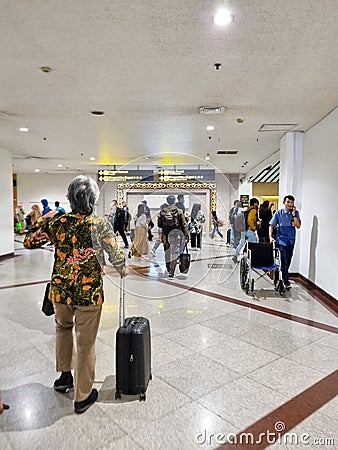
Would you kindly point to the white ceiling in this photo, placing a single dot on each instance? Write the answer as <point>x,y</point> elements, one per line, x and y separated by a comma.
<point>149,65</point>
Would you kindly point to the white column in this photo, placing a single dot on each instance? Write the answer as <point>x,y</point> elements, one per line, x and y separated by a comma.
<point>291,166</point>
<point>6,204</point>
<point>291,179</point>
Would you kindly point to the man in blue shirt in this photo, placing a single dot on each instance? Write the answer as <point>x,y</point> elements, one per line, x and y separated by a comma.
<point>286,220</point>
<point>59,208</point>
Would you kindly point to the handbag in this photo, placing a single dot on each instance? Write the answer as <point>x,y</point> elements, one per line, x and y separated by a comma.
<point>184,261</point>
<point>47,305</point>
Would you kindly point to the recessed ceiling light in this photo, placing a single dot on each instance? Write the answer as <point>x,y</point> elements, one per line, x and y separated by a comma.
<point>24,129</point>
<point>210,127</point>
<point>60,165</point>
<point>222,17</point>
<point>36,170</point>
<point>207,157</point>
<point>46,69</point>
<point>92,158</point>
<point>211,109</point>
<point>97,113</point>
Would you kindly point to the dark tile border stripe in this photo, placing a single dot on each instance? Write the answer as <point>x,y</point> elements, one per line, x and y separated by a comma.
<point>7,256</point>
<point>263,309</point>
<point>290,413</point>
<point>31,283</point>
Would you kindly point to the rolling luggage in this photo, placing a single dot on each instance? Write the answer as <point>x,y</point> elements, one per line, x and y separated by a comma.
<point>133,353</point>
<point>228,236</point>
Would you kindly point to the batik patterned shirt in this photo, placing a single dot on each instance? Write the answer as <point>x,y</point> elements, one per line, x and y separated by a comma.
<point>79,242</point>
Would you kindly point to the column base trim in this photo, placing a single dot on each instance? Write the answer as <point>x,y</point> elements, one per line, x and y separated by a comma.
<point>330,303</point>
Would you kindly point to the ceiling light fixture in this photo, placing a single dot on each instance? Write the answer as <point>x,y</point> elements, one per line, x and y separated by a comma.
<point>222,17</point>
<point>92,158</point>
<point>210,128</point>
<point>207,157</point>
<point>60,165</point>
<point>36,170</point>
<point>24,129</point>
<point>97,113</point>
<point>46,69</point>
<point>211,109</point>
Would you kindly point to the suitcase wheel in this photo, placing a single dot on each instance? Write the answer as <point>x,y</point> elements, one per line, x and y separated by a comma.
<point>142,397</point>
<point>117,394</point>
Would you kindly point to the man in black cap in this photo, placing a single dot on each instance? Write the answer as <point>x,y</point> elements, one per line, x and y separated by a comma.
<point>174,232</point>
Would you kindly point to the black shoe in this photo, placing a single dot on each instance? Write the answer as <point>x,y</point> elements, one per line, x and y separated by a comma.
<point>171,275</point>
<point>81,407</point>
<point>235,260</point>
<point>64,383</point>
<point>126,246</point>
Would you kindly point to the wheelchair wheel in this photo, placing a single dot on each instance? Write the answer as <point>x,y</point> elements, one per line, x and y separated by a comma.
<point>280,287</point>
<point>243,273</point>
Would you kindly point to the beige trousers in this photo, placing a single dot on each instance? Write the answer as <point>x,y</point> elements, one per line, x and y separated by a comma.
<point>86,320</point>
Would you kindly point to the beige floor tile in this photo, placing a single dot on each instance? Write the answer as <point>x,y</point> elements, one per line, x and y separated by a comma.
<point>286,376</point>
<point>316,356</point>
<point>243,402</point>
<point>196,375</point>
<point>190,427</point>
<point>238,355</point>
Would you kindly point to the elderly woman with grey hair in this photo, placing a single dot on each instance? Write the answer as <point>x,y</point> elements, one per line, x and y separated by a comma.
<point>76,287</point>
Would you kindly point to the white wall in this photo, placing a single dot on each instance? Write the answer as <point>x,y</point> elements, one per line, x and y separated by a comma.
<point>31,188</point>
<point>319,242</point>
<point>6,203</point>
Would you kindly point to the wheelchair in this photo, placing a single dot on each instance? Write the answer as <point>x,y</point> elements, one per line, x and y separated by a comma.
<point>261,257</point>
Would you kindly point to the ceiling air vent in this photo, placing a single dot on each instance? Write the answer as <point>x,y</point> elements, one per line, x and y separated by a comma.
<point>277,126</point>
<point>211,109</point>
<point>227,152</point>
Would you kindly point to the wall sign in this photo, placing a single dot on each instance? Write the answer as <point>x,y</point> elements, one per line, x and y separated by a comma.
<point>122,176</point>
<point>186,175</point>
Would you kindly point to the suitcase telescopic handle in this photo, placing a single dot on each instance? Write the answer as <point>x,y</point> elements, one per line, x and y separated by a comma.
<point>122,306</point>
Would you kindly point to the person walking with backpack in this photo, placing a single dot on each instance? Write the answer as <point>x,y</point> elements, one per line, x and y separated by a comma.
<point>247,223</point>
<point>234,234</point>
<point>117,219</point>
<point>174,233</point>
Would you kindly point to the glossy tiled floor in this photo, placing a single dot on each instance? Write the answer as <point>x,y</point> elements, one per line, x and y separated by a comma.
<point>223,362</point>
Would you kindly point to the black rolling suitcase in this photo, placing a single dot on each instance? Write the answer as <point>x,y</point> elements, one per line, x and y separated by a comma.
<point>133,353</point>
<point>228,236</point>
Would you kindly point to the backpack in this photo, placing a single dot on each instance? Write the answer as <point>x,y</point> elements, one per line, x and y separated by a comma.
<point>168,220</point>
<point>232,216</point>
<point>241,221</point>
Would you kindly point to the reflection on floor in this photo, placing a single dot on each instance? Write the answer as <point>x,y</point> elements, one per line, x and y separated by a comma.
<point>224,363</point>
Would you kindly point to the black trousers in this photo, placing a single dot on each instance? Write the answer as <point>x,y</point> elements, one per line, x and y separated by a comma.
<point>120,230</point>
<point>286,252</point>
<point>172,244</point>
<point>195,239</point>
